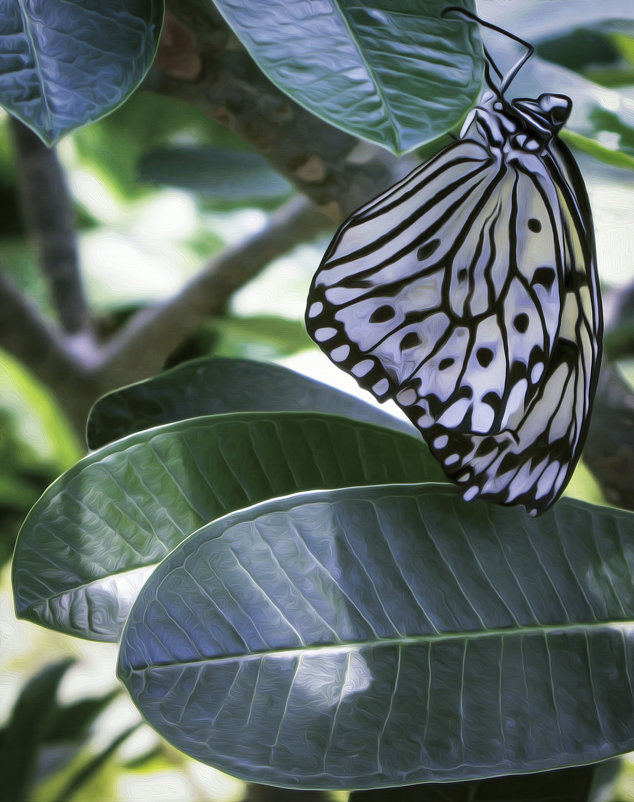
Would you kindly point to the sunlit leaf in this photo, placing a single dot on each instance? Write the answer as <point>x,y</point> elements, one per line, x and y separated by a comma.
<point>370,637</point>
<point>64,63</point>
<point>394,73</point>
<point>97,533</point>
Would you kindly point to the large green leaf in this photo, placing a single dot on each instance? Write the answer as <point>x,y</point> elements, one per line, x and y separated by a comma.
<point>96,534</point>
<point>391,71</point>
<point>215,386</point>
<point>64,63</point>
<point>369,637</point>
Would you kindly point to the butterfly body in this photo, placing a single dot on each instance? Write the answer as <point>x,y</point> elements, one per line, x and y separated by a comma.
<point>468,293</point>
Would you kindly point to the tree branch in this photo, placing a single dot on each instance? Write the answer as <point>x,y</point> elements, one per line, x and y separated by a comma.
<point>50,220</point>
<point>322,162</point>
<point>64,364</point>
<point>141,348</point>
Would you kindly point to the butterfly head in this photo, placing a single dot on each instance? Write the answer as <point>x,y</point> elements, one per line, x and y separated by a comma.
<point>545,115</point>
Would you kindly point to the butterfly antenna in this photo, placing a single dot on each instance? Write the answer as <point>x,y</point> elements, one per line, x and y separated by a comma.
<point>505,81</point>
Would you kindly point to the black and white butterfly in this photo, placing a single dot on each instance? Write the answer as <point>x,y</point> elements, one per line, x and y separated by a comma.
<point>468,293</point>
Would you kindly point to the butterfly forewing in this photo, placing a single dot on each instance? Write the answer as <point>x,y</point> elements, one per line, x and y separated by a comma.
<point>468,293</point>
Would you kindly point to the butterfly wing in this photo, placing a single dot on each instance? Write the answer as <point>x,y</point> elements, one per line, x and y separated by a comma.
<point>448,293</point>
<point>534,466</point>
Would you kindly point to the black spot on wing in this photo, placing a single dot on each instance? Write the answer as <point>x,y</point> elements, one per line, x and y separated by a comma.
<point>410,340</point>
<point>382,314</point>
<point>445,363</point>
<point>534,225</point>
<point>544,276</point>
<point>520,322</point>
<point>484,356</point>
<point>426,250</point>
<point>493,400</point>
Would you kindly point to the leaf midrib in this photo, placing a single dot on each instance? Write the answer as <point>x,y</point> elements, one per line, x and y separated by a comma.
<point>372,72</point>
<point>26,23</point>
<point>406,640</point>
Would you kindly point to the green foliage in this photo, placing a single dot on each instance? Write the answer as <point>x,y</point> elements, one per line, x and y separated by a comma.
<point>358,632</point>
<point>369,621</point>
<point>372,591</point>
<point>73,62</point>
<point>375,87</point>
<point>144,494</point>
<point>603,53</point>
<point>114,149</point>
<point>35,445</point>
<point>41,730</point>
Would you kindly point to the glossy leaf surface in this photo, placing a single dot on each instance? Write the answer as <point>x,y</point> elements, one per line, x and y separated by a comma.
<point>390,71</point>
<point>216,386</point>
<point>375,636</point>
<point>64,63</point>
<point>96,534</point>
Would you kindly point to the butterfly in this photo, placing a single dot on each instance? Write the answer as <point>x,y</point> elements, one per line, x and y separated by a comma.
<point>468,293</point>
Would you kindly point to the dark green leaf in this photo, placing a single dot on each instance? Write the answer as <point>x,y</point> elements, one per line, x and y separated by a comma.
<point>602,51</point>
<point>216,386</point>
<point>97,533</point>
<point>223,176</point>
<point>26,729</point>
<point>69,62</point>
<point>379,636</point>
<point>391,71</point>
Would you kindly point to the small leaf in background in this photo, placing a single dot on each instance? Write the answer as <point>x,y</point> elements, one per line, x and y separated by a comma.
<point>369,637</point>
<point>226,178</point>
<point>216,386</point>
<point>71,722</point>
<point>113,146</point>
<point>604,53</point>
<point>265,335</point>
<point>592,147</point>
<point>28,724</point>
<point>394,73</point>
<point>144,494</point>
<point>95,764</point>
<point>68,62</point>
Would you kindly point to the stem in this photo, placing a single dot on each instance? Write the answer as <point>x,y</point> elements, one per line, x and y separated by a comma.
<point>142,347</point>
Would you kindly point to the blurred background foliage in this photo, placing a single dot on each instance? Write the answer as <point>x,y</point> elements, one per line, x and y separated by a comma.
<point>159,188</point>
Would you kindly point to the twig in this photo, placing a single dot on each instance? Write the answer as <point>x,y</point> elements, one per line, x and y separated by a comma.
<point>66,364</point>
<point>141,348</point>
<point>50,220</point>
<point>25,333</point>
